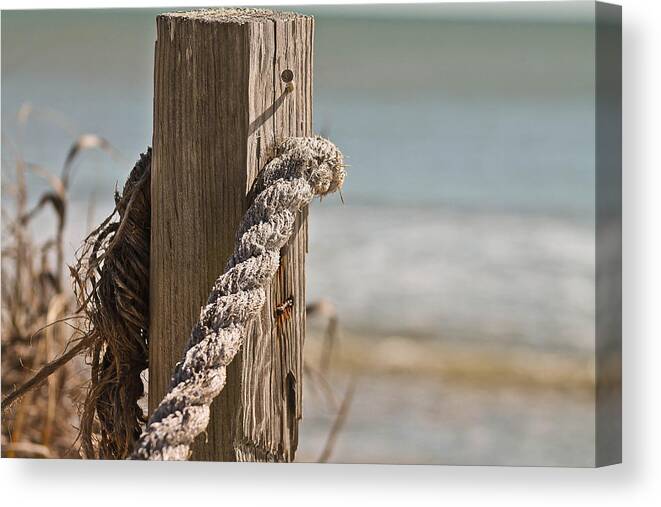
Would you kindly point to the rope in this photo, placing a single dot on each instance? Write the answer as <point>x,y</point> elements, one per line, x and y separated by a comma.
<point>302,168</point>
<point>111,282</point>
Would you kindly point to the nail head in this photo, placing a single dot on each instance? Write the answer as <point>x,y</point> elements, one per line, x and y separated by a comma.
<point>287,76</point>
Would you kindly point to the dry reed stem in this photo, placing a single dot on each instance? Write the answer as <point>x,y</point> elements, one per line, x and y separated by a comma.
<point>33,297</point>
<point>42,375</point>
<point>340,419</point>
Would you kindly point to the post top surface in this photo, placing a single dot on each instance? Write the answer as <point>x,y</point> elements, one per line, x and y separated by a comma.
<point>234,15</point>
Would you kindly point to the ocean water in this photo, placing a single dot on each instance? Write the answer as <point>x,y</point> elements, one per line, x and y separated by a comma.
<point>422,421</point>
<point>469,205</point>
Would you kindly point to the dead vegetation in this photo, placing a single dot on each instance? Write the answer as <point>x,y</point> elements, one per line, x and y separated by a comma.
<point>39,322</point>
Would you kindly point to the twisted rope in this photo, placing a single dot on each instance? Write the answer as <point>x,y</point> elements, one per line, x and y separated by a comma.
<point>302,168</point>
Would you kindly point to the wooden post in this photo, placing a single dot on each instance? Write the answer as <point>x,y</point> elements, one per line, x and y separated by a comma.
<point>220,101</point>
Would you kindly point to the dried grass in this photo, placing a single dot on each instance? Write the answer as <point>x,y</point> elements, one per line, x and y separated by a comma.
<point>38,311</point>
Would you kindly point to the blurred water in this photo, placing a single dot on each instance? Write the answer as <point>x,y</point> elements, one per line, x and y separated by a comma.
<point>458,275</point>
<point>427,421</point>
<point>470,199</point>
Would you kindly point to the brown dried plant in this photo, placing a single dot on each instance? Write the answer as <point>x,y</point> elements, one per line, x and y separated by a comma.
<point>39,322</point>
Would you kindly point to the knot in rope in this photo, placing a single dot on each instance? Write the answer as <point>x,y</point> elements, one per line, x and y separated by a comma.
<point>314,158</point>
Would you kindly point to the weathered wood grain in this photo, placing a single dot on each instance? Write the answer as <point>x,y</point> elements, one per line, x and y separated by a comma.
<point>219,105</point>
